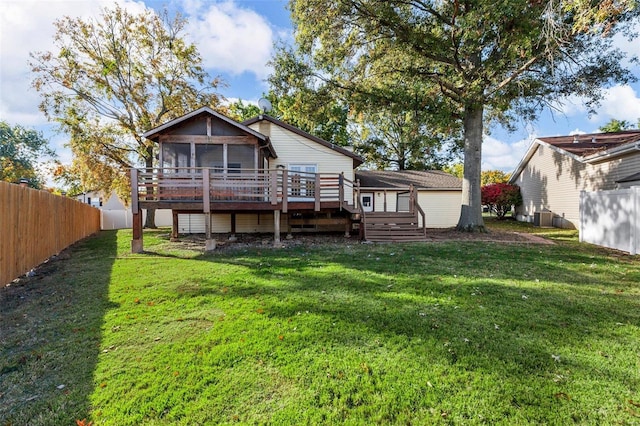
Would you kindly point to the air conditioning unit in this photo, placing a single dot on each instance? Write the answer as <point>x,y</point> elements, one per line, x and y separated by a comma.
<point>543,219</point>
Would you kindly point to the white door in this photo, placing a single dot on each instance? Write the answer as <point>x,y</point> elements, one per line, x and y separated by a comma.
<point>366,201</point>
<point>302,181</point>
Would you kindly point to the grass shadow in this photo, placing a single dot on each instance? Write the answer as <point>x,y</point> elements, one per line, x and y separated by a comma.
<point>50,334</point>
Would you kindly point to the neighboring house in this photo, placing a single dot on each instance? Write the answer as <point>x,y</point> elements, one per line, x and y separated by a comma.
<point>439,194</point>
<point>114,214</point>
<point>555,169</point>
<point>219,176</point>
<point>96,199</point>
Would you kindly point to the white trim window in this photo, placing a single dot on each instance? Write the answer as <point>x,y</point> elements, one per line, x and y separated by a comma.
<point>302,181</point>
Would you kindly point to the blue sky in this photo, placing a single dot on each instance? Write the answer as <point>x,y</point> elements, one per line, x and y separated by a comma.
<point>236,38</point>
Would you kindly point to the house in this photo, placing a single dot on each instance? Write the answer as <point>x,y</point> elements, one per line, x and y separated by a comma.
<point>219,176</point>
<point>114,214</point>
<point>96,199</point>
<point>439,192</point>
<point>555,170</point>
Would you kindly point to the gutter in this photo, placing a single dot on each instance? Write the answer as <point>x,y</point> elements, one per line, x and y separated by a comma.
<point>614,152</point>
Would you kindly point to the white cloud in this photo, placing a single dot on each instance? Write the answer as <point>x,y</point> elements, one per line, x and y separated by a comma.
<point>620,102</point>
<point>577,131</point>
<point>27,26</point>
<point>230,38</point>
<point>500,155</point>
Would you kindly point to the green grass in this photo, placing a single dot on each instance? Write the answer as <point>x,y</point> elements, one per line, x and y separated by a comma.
<point>436,333</point>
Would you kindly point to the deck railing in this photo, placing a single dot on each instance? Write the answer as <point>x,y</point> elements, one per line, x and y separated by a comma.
<point>274,186</point>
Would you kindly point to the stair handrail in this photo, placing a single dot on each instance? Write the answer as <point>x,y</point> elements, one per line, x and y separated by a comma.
<point>358,204</point>
<point>416,207</point>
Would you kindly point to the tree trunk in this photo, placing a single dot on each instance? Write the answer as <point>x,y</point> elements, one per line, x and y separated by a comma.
<point>471,211</point>
<point>150,220</point>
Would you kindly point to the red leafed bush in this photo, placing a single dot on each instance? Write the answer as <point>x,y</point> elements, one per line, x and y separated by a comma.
<point>500,197</point>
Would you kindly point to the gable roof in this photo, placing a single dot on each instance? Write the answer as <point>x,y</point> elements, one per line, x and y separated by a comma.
<point>587,148</point>
<point>154,133</point>
<point>357,160</point>
<point>427,179</point>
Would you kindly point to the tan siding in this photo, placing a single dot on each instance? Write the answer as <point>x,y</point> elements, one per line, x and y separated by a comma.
<point>292,148</point>
<point>379,198</point>
<point>221,223</point>
<point>551,181</point>
<point>441,208</point>
<point>619,168</point>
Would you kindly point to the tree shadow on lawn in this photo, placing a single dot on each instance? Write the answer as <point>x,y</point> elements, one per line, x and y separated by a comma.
<point>51,326</point>
<point>491,321</point>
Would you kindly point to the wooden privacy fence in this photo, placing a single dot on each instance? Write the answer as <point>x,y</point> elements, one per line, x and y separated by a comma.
<point>35,225</point>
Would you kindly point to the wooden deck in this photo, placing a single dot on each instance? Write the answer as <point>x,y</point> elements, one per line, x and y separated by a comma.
<point>208,191</point>
<point>241,190</point>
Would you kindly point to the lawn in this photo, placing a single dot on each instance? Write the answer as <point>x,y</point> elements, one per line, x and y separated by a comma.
<point>431,333</point>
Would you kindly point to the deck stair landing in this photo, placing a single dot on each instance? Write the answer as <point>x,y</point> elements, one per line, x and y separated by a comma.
<point>393,227</point>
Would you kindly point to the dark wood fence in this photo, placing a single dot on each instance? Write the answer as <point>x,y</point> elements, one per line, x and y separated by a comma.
<point>35,225</point>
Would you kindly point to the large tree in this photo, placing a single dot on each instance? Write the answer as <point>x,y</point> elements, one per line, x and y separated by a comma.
<point>390,126</point>
<point>112,78</point>
<point>20,151</point>
<point>484,61</point>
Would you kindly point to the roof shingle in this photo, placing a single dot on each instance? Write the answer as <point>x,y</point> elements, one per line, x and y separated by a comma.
<point>428,179</point>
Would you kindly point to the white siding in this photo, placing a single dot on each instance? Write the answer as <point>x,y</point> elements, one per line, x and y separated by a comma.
<point>441,208</point>
<point>122,219</point>
<point>221,223</point>
<point>292,148</point>
<point>379,200</point>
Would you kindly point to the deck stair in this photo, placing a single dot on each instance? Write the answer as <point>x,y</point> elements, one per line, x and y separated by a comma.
<point>393,227</point>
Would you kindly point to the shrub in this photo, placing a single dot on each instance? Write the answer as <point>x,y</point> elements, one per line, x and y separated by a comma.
<point>500,197</point>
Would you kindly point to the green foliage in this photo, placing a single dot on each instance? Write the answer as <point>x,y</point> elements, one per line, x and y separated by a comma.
<point>615,126</point>
<point>467,62</point>
<point>494,176</point>
<point>20,149</point>
<point>240,111</point>
<point>456,169</point>
<point>111,79</point>
<point>439,333</point>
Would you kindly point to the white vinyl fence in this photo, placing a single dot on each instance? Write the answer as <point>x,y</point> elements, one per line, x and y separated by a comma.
<point>610,218</point>
<point>122,219</point>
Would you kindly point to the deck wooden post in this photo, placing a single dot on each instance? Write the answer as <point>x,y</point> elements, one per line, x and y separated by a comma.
<point>412,199</point>
<point>317,193</point>
<point>341,189</point>
<point>232,237</point>
<point>285,191</point>
<point>273,176</point>
<point>174,225</point>
<point>385,200</point>
<point>206,191</point>
<point>276,228</point>
<point>137,245</point>
<point>210,243</point>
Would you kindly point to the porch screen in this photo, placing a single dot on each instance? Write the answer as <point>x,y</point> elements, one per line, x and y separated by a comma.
<point>241,157</point>
<point>209,155</point>
<point>175,155</point>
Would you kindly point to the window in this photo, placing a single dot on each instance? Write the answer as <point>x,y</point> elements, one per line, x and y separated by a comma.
<point>302,180</point>
<point>403,202</point>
